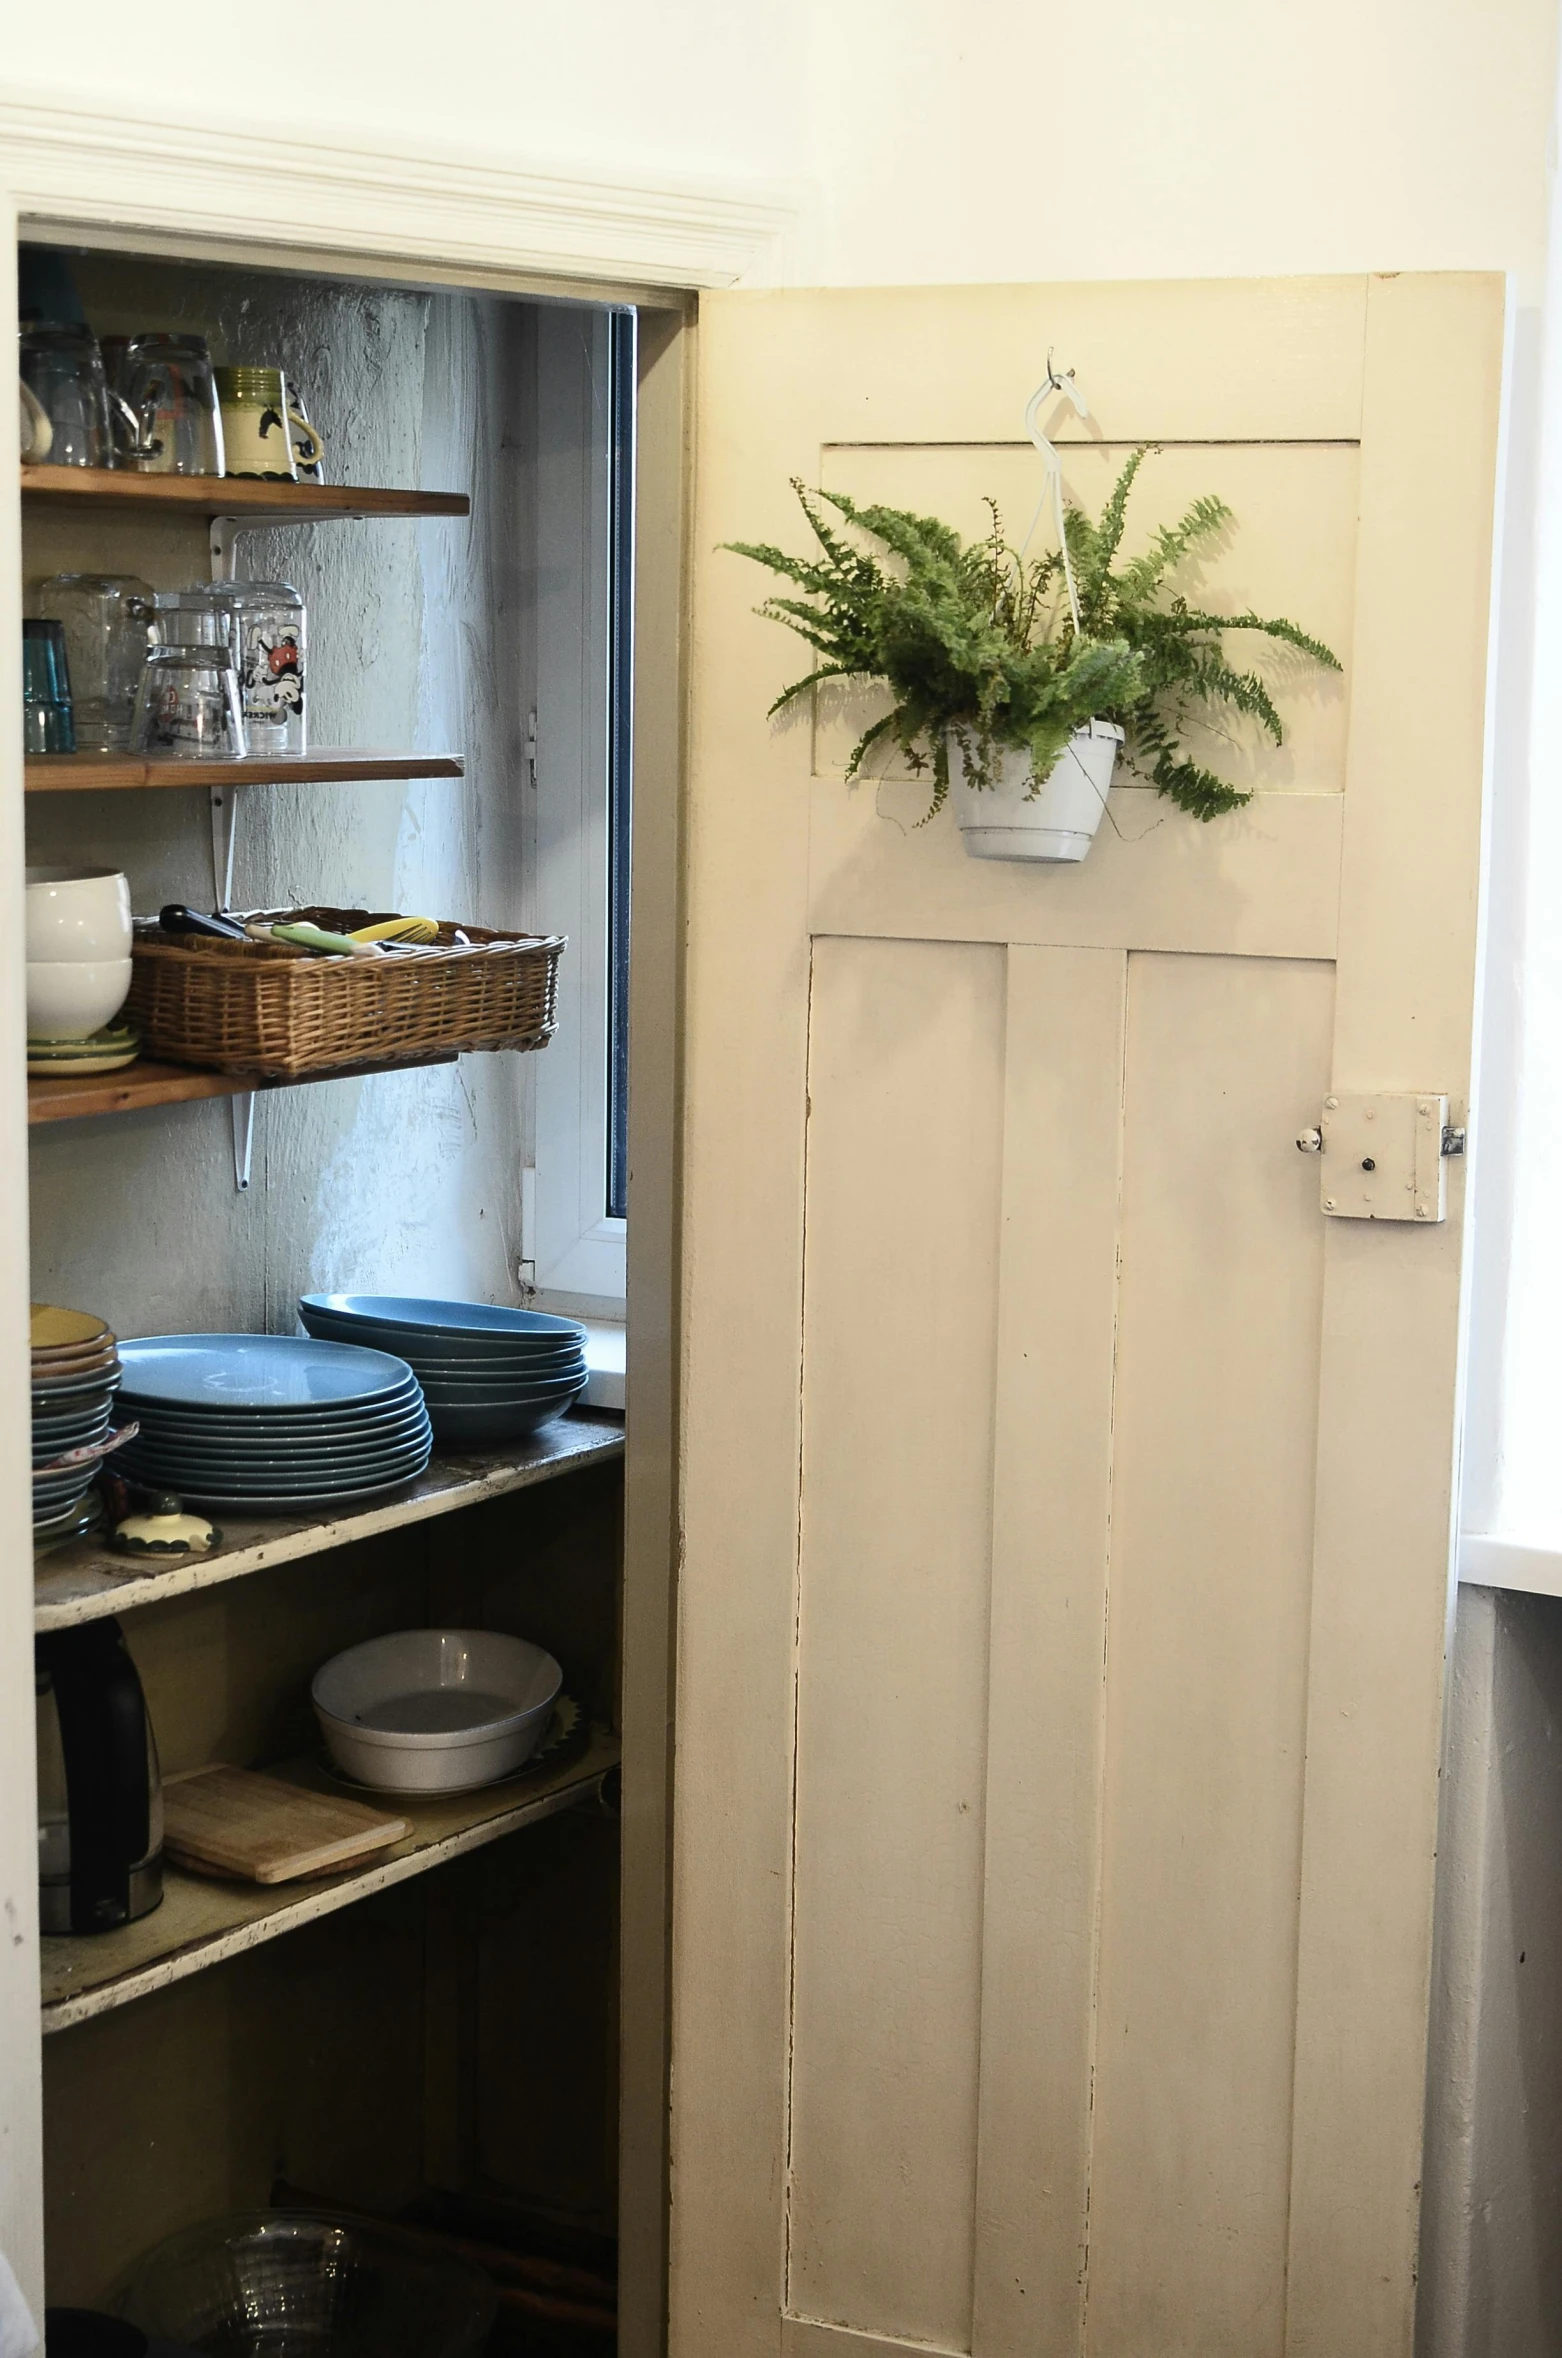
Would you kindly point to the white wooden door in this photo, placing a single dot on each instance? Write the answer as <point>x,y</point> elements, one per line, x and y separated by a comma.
<point>1066,1501</point>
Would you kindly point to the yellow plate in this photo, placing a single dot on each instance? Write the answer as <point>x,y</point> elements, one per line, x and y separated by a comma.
<point>53,1326</point>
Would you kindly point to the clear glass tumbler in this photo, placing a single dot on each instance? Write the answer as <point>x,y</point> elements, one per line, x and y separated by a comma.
<point>168,384</point>
<point>187,707</point>
<point>192,617</point>
<point>64,368</point>
<point>107,619</point>
<point>266,625</point>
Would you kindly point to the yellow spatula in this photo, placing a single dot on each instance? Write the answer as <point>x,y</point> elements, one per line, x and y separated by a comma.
<point>397,929</point>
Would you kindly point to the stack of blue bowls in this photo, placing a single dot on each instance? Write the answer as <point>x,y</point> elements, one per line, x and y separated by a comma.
<point>488,1374</point>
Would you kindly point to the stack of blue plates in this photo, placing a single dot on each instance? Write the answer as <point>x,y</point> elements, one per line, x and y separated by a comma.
<point>271,1424</point>
<point>488,1374</point>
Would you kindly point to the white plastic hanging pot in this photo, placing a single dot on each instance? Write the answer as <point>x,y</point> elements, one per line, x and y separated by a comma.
<point>1012,820</point>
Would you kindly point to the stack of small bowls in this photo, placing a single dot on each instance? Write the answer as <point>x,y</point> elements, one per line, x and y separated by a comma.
<point>489,1374</point>
<point>75,1376</point>
<point>78,970</point>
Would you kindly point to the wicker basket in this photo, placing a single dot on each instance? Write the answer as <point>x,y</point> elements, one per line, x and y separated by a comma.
<point>278,1012</point>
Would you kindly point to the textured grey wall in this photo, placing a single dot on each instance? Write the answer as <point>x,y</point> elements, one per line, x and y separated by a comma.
<point>1491,2275</point>
<point>420,636</point>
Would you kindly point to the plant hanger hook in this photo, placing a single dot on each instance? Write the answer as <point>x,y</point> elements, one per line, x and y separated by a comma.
<point>1053,479</point>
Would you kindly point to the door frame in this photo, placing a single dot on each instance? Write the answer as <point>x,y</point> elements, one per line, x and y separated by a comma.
<point>428,218</point>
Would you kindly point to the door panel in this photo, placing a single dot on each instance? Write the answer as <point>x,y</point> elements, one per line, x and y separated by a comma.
<point>1211,1554</point>
<point>905,1147</point>
<point>1066,1502</point>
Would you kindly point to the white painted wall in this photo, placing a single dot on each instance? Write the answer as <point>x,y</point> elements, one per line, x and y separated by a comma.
<point>1003,139</point>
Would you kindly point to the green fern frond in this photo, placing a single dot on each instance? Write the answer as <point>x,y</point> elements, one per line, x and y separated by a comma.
<point>976,643</point>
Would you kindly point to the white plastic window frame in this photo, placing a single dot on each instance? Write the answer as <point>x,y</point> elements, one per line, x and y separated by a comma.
<point>576,1252</point>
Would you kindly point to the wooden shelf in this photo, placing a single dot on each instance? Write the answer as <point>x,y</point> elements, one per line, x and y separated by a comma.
<point>232,495</point>
<point>97,773</point>
<point>142,1084</point>
<point>201,1922</point>
<point>84,1582</point>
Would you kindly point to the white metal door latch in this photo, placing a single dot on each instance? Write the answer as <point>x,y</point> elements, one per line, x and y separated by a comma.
<point>1384,1157</point>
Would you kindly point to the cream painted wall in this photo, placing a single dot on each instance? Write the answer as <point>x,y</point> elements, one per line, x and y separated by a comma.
<point>998,140</point>
<point>1131,139</point>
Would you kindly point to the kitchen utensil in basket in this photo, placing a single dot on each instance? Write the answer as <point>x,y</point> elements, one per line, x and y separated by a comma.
<point>265,1008</point>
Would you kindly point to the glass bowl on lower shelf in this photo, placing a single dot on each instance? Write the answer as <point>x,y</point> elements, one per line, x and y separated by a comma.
<point>283,2284</point>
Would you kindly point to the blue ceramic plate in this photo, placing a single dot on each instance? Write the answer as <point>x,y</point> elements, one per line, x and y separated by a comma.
<point>518,1396</point>
<point>312,1473</point>
<point>73,1388</point>
<point>412,1314</point>
<point>202,1481</point>
<point>283,1424</point>
<point>277,1472</point>
<point>281,1431</point>
<point>424,1355</point>
<point>257,1372</point>
<point>323,1502</point>
<point>317,1466</point>
<point>480,1428</point>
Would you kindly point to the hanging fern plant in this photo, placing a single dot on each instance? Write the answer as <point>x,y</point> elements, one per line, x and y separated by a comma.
<point>978,644</point>
<point>1185,674</point>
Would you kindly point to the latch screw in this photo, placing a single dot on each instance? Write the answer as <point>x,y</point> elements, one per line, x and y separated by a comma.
<point>1367,1163</point>
<point>1309,1141</point>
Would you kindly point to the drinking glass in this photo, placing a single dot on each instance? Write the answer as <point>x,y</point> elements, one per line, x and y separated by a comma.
<point>107,620</point>
<point>265,631</point>
<point>65,370</point>
<point>47,725</point>
<point>187,707</point>
<point>168,383</point>
<point>191,617</point>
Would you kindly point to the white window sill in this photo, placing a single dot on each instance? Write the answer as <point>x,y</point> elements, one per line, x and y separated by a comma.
<point>1485,1562</point>
<point>605,1343</point>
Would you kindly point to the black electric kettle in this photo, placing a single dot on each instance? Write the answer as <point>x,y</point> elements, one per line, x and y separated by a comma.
<point>100,1802</point>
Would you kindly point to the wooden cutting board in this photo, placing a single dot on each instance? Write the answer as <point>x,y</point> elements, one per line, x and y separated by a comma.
<point>232,1821</point>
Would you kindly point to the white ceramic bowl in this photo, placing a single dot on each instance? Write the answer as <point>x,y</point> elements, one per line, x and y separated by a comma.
<point>433,1710</point>
<point>66,1002</point>
<point>76,914</point>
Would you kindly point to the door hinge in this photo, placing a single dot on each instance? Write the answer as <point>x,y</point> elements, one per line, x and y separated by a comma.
<point>1384,1156</point>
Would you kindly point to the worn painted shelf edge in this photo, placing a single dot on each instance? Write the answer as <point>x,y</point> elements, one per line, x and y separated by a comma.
<point>84,1583</point>
<point>144,1084</point>
<point>119,773</point>
<point>234,495</point>
<point>203,1922</point>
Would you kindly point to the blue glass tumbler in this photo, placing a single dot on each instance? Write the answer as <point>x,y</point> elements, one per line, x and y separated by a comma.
<point>48,725</point>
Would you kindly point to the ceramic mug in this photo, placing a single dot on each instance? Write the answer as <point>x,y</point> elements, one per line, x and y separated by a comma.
<point>76,915</point>
<point>264,431</point>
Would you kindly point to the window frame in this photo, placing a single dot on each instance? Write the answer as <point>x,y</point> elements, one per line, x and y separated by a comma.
<point>574,1249</point>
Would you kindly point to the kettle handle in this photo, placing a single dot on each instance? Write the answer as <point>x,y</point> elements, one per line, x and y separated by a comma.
<point>103,1734</point>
